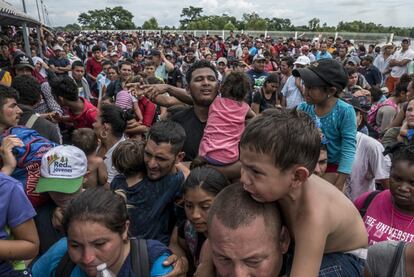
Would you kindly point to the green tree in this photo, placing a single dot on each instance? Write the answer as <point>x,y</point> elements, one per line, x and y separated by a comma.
<point>314,24</point>
<point>229,26</point>
<point>189,14</point>
<point>72,27</point>
<point>150,24</point>
<point>108,18</point>
<point>253,21</point>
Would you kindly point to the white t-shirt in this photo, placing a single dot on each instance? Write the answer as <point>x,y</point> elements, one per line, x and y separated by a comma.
<point>398,71</point>
<point>291,92</point>
<point>369,165</point>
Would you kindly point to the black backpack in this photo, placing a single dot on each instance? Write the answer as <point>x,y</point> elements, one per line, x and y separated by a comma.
<point>139,258</point>
<point>368,201</point>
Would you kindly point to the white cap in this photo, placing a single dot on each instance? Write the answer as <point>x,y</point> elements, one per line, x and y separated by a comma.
<point>303,60</point>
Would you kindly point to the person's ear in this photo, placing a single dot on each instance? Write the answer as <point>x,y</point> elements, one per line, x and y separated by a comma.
<point>331,91</point>
<point>125,233</point>
<point>284,240</point>
<point>179,157</point>
<point>300,175</point>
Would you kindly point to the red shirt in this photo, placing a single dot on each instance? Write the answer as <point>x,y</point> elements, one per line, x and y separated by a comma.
<point>93,67</point>
<point>148,111</point>
<point>87,117</point>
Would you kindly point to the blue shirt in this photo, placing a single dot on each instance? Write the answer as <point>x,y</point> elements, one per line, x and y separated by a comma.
<point>47,264</point>
<point>151,205</point>
<point>339,128</point>
<point>15,209</point>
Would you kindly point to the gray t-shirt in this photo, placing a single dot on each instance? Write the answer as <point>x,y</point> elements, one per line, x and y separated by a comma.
<point>380,257</point>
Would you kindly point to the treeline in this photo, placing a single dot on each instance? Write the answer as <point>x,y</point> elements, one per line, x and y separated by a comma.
<point>192,18</point>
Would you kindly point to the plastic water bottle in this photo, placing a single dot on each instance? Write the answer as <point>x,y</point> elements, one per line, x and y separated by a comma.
<point>103,271</point>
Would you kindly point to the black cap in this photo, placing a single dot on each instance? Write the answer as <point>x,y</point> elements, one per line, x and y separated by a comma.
<point>323,73</point>
<point>22,60</point>
<point>354,102</point>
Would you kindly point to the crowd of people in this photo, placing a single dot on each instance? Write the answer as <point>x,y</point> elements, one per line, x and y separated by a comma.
<point>148,154</point>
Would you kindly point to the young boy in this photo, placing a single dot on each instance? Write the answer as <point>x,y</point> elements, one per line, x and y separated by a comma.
<point>327,229</point>
<point>86,140</point>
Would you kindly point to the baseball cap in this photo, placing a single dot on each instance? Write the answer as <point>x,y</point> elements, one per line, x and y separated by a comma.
<point>57,47</point>
<point>354,60</point>
<point>222,60</point>
<point>258,57</point>
<point>325,72</point>
<point>153,52</point>
<point>303,60</point>
<point>354,102</point>
<point>305,47</point>
<point>113,54</point>
<point>22,60</point>
<point>62,170</point>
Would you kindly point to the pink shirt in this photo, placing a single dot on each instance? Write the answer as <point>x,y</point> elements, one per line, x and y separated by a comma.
<point>383,221</point>
<point>225,125</point>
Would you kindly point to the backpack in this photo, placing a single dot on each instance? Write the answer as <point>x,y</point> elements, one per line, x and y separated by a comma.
<point>139,258</point>
<point>372,114</point>
<point>367,202</point>
<point>29,158</point>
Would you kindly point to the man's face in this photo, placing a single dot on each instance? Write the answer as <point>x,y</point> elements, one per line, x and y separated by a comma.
<point>105,68</point>
<point>247,251</point>
<point>126,71</point>
<point>324,47</point>
<point>259,65</point>
<point>261,178</point>
<point>221,67</point>
<point>159,159</point>
<point>410,91</point>
<point>352,79</point>
<point>78,72</point>
<point>10,114</point>
<point>190,56</point>
<point>203,86</point>
<point>322,163</point>
<point>405,45</point>
<point>284,67</point>
<point>149,70</point>
<point>329,42</point>
<point>114,59</point>
<point>97,54</point>
<point>342,52</point>
<point>23,71</point>
<point>129,47</point>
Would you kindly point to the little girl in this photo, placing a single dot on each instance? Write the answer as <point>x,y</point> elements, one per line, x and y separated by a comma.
<point>200,189</point>
<point>126,100</point>
<point>226,120</point>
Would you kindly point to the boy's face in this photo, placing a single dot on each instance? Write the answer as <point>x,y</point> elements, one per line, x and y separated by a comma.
<point>264,181</point>
<point>150,71</point>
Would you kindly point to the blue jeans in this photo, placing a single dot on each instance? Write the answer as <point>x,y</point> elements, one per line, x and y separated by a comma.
<point>341,264</point>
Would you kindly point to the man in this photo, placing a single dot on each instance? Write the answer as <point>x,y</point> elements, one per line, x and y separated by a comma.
<point>163,65</point>
<point>247,238</point>
<point>370,72</point>
<point>305,51</point>
<point>102,79</point>
<point>221,66</point>
<point>129,50</point>
<point>330,45</point>
<point>114,58</point>
<point>125,71</point>
<point>342,55</point>
<point>323,52</point>
<point>257,74</point>
<point>80,111</point>
<point>93,65</point>
<point>398,63</point>
<point>293,89</point>
<point>383,59</point>
<point>78,72</point>
<point>29,96</point>
<point>59,64</point>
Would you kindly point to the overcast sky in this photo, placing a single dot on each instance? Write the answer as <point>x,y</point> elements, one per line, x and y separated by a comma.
<point>167,12</point>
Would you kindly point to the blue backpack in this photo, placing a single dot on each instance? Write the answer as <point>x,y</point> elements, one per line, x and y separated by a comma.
<point>29,158</point>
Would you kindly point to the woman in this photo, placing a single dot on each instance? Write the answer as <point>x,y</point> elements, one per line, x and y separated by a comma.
<point>404,133</point>
<point>267,97</point>
<point>96,224</point>
<point>200,189</point>
<point>390,214</point>
<point>110,126</point>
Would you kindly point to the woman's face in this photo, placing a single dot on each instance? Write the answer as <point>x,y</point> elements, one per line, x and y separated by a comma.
<point>402,185</point>
<point>271,87</point>
<point>409,114</point>
<point>91,244</point>
<point>197,202</point>
<point>352,79</point>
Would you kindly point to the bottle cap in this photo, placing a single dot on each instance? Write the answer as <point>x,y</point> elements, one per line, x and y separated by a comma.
<point>101,267</point>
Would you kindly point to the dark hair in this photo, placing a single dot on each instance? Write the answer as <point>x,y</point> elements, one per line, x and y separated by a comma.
<point>97,205</point>
<point>288,60</point>
<point>77,63</point>
<point>236,85</point>
<point>154,80</point>
<point>7,93</point>
<point>401,152</point>
<point>170,132</point>
<point>272,78</point>
<point>351,70</point>
<point>172,110</point>
<point>400,88</point>
<point>85,139</point>
<point>96,48</point>
<point>28,88</point>
<point>116,117</point>
<point>208,179</point>
<point>197,65</point>
<point>289,137</point>
<point>128,157</point>
<point>149,63</point>
<point>376,93</point>
<point>124,63</point>
<point>106,62</point>
<point>234,208</point>
<point>65,87</point>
